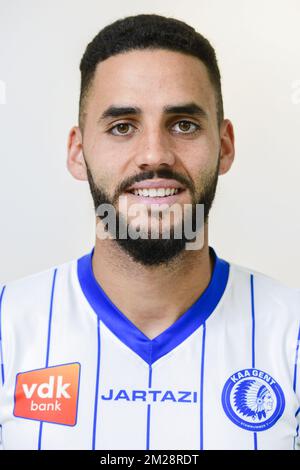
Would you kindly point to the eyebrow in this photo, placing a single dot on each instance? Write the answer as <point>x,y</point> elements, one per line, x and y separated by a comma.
<point>192,109</point>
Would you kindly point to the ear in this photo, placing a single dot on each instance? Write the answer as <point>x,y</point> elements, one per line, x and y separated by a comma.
<point>75,162</point>
<point>227,150</point>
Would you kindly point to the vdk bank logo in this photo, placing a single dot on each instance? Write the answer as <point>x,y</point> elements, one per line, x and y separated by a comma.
<point>253,400</point>
<point>49,394</point>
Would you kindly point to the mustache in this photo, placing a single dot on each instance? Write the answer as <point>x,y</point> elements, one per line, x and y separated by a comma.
<point>148,175</point>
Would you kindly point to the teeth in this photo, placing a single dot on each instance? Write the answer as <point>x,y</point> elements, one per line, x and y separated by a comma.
<point>157,192</point>
<point>152,192</point>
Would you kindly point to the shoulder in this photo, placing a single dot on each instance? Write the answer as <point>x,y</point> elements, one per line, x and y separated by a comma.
<point>268,294</point>
<point>32,293</point>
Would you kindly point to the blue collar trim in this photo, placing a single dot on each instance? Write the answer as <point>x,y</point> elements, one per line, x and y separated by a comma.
<point>151,350</point>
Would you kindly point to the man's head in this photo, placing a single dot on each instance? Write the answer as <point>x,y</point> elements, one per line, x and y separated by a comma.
<point>150,112</point>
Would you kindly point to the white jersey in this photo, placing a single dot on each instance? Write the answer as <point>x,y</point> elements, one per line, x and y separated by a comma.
<point>76,373</point>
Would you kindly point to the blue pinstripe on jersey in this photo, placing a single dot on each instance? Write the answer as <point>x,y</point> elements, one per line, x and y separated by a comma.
<point>297,429</point>
<point>97,385</point>
<point>202,387</point>
<point>149,410</point>
<point>253,339</point>
<point>48,344</point>
<point>296,361</point>
<point>1,348</point>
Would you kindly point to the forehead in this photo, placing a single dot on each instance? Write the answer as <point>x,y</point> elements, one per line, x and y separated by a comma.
<point>152,79</point>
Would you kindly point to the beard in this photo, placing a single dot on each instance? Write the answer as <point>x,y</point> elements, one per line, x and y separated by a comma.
<point>156,251</point>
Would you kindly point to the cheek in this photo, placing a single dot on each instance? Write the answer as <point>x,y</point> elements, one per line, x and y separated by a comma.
<point>201,158</point>
<point>103,162</point>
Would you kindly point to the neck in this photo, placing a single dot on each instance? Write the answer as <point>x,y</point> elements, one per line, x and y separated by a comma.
<point>152,298</point>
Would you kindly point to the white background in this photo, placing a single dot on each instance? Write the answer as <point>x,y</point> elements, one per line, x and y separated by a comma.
<point>47,217</point>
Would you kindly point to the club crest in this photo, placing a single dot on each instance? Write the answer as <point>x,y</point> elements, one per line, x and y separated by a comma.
<point>253,400</point>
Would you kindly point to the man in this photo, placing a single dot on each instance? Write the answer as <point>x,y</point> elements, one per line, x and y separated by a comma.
<point>150,342</point>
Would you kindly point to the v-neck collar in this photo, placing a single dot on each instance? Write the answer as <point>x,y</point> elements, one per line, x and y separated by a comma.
<point>150,350</point>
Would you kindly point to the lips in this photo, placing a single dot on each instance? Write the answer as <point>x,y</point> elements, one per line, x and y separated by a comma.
<point>157,200</point>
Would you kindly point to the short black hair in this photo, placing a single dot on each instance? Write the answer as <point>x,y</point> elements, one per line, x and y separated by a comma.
<point>148,31</point>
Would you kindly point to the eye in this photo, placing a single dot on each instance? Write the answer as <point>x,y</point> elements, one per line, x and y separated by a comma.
<point>120,129</point>
<point>186,127</point>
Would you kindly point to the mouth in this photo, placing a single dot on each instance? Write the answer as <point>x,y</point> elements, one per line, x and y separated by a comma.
<point>156,195</point>
<point>156,191</point>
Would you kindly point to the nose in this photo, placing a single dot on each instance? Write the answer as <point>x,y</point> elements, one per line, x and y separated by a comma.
<point>154,150</point>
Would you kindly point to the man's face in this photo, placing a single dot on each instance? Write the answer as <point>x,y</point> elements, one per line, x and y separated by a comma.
<point>169,133</point>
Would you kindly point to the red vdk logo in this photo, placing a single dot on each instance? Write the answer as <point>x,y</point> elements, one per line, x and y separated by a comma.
<point>49,394</point>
